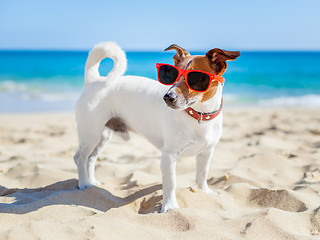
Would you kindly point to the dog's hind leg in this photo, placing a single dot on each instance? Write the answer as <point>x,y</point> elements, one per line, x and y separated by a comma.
<point>89,138</point>
<point>203,166</point>
<point>105,138</point>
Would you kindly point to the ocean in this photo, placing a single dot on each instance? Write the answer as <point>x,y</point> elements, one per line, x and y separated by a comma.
<point>45,81</point>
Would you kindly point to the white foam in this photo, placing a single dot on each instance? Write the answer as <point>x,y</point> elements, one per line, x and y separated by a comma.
<point>229,97</point>
<point>27,92</point>
<point>52,97</point>
<point>310,100</point>
<point>10,86</point>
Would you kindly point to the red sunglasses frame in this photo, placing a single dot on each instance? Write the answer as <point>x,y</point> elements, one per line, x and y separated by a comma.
<point>185,72</point>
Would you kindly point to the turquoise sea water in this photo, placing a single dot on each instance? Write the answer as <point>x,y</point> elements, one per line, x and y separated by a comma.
<point>32,81</point>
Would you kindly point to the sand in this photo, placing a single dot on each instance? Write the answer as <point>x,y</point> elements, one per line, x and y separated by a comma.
<point>266,170</point>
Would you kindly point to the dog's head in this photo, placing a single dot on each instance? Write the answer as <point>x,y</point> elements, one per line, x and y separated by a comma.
<point>180,96</point>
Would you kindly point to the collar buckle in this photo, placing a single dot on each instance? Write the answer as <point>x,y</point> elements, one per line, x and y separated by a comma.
<point>201,117</point>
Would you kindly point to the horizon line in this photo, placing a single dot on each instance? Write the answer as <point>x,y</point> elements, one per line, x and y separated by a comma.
<point>145,50</point>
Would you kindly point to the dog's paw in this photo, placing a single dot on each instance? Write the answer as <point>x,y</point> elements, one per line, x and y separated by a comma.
<point>169,206</point>
<point>94,182</point>
<point>97,183</point>
<point>84,185</point>
<point>210,192</point>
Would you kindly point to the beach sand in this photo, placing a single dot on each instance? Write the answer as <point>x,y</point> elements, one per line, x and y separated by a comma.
<point>266,170</point>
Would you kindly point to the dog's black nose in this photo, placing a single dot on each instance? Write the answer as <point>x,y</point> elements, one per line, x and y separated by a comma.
<point>169,99</point>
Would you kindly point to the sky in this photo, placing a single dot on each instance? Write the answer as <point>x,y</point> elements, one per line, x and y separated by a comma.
<point>149,25</point>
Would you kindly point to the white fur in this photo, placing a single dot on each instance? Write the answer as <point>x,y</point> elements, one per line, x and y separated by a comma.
<point>138,101</point>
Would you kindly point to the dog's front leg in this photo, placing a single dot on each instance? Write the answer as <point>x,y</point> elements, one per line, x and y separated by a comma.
<point>203,166</point>
<point>168,168</point>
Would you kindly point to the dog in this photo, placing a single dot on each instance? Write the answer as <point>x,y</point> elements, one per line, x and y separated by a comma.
<point>177,116</point>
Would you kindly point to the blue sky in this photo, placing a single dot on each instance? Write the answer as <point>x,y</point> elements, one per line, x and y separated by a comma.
<point>153,25</point>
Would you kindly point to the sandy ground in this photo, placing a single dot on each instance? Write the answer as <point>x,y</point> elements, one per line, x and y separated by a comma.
<point>266,170</point>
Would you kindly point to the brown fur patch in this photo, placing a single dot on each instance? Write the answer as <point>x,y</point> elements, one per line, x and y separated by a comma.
<point>116,124</point>
<point>210,92</point>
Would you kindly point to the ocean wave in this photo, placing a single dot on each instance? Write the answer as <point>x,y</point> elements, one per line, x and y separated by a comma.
<point>11,86</point>
<point>36,91</point>
<point>310,100</point>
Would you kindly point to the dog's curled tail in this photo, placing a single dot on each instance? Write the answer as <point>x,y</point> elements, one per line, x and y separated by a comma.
<point>99,52</point>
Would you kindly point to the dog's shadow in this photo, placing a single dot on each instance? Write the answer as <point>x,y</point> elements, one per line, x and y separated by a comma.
<point>67,193</point>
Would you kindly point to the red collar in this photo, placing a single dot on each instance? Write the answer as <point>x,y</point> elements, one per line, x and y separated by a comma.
<point>203,116</point>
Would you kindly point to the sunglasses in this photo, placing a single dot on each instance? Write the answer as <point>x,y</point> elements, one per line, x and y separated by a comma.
<point>196,80</point>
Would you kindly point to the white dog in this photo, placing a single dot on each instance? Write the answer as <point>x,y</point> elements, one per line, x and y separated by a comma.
<point>162,114</point>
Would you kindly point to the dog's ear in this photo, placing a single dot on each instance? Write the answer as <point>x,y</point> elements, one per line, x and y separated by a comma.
<point>218,57</point>
<point>181,53</point>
